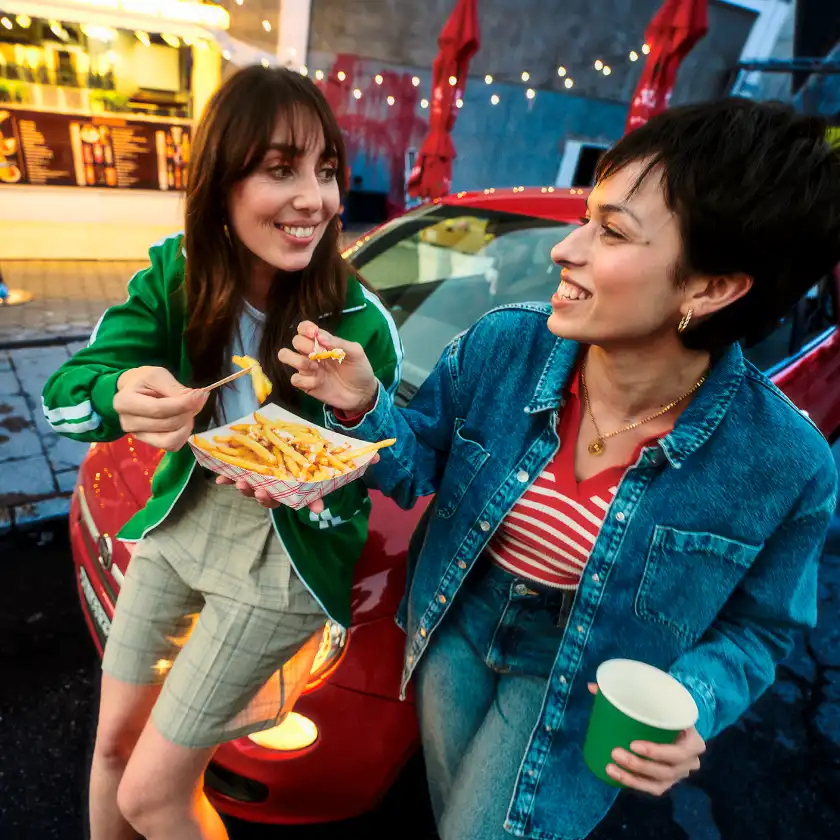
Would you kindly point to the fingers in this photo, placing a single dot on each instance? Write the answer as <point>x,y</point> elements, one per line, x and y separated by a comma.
<point>298,361</point>
<point>137,423</point>
<point>170,442</point>
<point>688,748</point>
<point>132,402</point>
<point>646,769</point>
<point>305,383</point>
<point>309,330</point>
<point>655,788</point>
<point>317,506</point>
<point>593,688</point>
<point>223,479</point>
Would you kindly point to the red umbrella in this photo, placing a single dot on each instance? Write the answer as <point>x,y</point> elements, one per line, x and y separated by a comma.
<point>458,43</point>
<point>671,35</point>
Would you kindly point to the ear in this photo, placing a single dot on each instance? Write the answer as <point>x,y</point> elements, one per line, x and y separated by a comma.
<point>709,294</point>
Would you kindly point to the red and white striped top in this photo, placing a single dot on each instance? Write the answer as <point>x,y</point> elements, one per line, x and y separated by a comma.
<point>550,532</point>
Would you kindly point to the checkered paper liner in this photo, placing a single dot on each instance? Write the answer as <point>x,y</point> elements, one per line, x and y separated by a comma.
<point>295,494</point>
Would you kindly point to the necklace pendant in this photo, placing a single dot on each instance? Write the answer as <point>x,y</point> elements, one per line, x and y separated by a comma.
<point>597,446</point>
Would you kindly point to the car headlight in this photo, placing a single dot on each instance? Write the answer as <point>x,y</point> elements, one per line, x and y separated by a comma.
<point>330,653</point>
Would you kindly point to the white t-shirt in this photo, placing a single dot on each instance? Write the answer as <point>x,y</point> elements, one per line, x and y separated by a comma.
<point>237,397</point>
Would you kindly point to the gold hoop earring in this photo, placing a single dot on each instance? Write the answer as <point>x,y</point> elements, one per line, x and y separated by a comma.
<point>227,235</point>
<point>686,320</point>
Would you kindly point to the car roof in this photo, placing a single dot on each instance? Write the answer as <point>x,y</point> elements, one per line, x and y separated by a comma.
<point>561,204</point>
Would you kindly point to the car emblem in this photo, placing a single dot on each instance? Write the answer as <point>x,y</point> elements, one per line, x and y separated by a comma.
<point>105,558</point>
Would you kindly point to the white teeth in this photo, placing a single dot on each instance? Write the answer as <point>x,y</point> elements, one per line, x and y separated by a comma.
<point>569,292</point>
<point>298,232</point>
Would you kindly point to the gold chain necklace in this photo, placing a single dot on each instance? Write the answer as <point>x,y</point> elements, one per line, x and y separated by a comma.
<point>599,445</point>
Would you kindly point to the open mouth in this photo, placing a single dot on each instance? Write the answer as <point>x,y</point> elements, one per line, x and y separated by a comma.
<point>571,291</point>
<point>297,232</point>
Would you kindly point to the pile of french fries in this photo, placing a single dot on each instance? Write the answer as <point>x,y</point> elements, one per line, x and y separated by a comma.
<point>284,450</point>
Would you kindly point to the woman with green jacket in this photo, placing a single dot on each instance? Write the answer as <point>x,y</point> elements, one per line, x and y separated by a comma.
<point>224,603</point>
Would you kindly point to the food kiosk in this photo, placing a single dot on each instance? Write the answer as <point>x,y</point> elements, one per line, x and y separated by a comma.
<point>97,103</point>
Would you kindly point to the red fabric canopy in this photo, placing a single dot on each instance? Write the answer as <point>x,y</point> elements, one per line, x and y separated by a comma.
<point>457,44</point>
<point>671,35</point>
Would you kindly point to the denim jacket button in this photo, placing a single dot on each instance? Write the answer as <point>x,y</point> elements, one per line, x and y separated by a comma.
<point>595,578</point>
<point>423,633</point>
<point>484,525</point>
<point>562,679</point>
<point>442,599</point>
<point>620,516</point>
<point>522,476</point>
<point>462,564</point>
<point>580,628</point>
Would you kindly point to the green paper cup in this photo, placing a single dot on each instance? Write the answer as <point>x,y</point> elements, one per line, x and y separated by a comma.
<point>635,702</point>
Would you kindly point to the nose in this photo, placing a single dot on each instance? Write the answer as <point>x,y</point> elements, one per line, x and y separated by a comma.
<point>571,250</point>
<point>308,197</point>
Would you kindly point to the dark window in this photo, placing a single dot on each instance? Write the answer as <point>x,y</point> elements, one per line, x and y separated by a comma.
<point>811,317</point>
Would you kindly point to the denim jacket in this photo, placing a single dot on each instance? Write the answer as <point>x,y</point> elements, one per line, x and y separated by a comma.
<point>705,565</point>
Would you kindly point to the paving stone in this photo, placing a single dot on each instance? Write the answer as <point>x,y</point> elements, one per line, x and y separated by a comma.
<point>18,435</point>
<point>67,480</point>
<point>8,383</point>
<point>63,453</point>
<point>5,361</point>
<point>69,296</point>
<point>34,365</point>
<point>75,346</point>
<point>31,477</point>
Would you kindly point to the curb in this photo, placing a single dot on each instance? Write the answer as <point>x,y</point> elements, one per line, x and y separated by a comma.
<point>50,341</point>
<point>26,516</point>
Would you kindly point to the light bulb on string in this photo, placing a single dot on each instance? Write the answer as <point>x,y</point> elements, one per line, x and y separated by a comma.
<point>530,93</point>
<point>391,100</point>
<point>6,22</point>
<point>607,70</point>
<point>569,83</point>
<point>341,75</point>
<point>599,65</point>
<point>453,80</point>
<point>424,103</point>
<point>488,79</point>
<point>357,93</point>
<point>378,78</point>
<point>264,62</point>
<point>459,103</point>
<point>415,80</point>
<point>23,21</point>
<point>319,75</point>
<point>646,49</point>
<point>525,75</point>
<point>494,99</point>
<point>561,71</point>
<point>239,2</point>
<point>226,55</point>
<point>634,56</point>
<point>304,70</point>
<point>267,26</point>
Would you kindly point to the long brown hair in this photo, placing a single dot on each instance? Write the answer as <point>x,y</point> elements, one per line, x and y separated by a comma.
<point>231,141</point>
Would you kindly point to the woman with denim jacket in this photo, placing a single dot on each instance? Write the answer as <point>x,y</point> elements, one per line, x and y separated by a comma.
<point>616,482</point>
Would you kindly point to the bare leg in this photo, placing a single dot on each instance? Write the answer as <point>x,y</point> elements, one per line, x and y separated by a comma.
<point>162,793</point>
<point>124,710</point>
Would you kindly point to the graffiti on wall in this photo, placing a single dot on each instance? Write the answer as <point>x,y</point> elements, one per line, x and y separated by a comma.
<point>379,121</point>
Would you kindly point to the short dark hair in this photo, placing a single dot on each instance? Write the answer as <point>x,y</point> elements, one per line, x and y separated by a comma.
<point>756,188</point>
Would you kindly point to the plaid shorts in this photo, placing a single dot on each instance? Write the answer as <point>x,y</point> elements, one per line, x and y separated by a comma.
<point>211,609</point>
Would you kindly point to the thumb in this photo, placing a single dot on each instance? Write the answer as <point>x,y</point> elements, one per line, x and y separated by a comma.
<point>593,688</point>
<point>162,382</point>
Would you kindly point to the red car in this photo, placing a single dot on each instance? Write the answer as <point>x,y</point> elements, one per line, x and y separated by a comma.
<point>438,268</point>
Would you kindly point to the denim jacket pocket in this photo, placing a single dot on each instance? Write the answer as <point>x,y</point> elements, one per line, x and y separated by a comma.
<point>688,578</point>
<point>466,458</point>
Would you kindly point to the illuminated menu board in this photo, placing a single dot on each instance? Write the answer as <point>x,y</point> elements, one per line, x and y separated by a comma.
<point>61,150</point>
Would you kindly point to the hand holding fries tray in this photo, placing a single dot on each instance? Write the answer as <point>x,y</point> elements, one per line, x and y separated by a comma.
<point>296,462</point>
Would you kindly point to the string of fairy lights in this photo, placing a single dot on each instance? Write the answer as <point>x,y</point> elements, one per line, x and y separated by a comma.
<point>495,97</point>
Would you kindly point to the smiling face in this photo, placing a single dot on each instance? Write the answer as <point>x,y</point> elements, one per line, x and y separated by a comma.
<point>280,211</point>
<point>617,279</point>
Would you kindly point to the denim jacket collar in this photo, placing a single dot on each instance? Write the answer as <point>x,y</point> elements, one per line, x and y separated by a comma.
<point>706,411</point>
<point>695,425</point>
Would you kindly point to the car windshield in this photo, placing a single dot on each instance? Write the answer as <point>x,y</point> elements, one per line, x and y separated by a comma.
<point>441,268</point>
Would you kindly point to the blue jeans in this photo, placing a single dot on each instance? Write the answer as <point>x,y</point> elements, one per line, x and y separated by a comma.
<point>480,688</point>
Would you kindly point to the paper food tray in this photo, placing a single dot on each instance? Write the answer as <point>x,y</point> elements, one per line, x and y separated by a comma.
<point>294,494</point>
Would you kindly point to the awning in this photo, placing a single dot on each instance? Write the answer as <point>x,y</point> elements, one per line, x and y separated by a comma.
<point>185,18</point>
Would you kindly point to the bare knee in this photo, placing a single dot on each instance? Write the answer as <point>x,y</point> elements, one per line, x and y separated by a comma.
<point>123,713</point>
<point>140,802</point>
